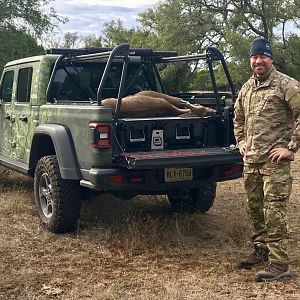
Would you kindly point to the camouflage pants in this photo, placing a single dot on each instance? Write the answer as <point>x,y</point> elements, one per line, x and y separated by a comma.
<point>268,187</point>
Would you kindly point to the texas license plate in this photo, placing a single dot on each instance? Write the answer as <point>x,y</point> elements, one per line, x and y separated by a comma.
<point>178,174</point>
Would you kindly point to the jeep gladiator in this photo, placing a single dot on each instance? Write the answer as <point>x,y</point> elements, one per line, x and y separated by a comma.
<point>54,129</point>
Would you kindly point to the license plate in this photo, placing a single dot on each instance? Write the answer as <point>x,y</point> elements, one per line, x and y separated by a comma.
<point>178,174</point>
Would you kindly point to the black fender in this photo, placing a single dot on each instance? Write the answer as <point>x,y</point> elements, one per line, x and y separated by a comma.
<point>56,140</point>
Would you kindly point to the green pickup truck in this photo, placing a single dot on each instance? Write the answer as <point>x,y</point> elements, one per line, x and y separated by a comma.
<point>54,129</point>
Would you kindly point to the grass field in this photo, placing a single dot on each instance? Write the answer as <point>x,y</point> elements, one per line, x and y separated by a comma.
<point>137,249</point>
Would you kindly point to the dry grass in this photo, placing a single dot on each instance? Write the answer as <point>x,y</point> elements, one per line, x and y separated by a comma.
<point>135,250</point>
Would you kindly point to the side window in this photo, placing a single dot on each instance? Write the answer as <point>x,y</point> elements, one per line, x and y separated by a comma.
<point>24,85</point>
<point>7,86</point>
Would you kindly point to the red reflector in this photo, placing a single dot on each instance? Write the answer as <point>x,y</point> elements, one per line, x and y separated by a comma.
<point>236,168</point>
<point>232,170</point>
<point>116,178</point>
<point>227,172</point>
<point>103,143</point>
<point>136,179</point>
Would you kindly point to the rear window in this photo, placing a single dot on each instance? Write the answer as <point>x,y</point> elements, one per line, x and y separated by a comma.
<point>80,82</point>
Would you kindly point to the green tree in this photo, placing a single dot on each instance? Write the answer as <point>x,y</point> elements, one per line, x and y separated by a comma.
<point>244,20</point>
<point>115,33</point>
<point>17,44</point>
<point>189,26</point>
<point>34,15</point>
<point>292,55</point>
<point>176,77</point>
<point>92,41</point>
<point>181,25</point>
<point>21,22</point>
<point>71,40</point>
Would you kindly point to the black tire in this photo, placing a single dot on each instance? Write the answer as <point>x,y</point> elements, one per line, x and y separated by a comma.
<point>57,200</point>
<point>199,199</point>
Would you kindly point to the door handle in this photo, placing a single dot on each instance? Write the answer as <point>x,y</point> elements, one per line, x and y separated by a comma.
<point>23,118</point>
<point>7,117</point>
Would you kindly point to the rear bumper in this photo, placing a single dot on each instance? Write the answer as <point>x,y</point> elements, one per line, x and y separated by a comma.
<point>143,181</point>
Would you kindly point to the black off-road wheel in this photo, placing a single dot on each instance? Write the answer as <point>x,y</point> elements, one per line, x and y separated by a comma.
<point>199,199</point>
<point>57,200</point>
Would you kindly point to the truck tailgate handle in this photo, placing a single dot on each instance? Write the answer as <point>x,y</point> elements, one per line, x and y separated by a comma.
<point>23,118</point>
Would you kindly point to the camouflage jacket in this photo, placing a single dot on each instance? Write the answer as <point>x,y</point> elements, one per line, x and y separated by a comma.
<point>267,115</point>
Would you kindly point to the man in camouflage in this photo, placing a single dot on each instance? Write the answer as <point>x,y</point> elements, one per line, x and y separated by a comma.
<point>267,130</point>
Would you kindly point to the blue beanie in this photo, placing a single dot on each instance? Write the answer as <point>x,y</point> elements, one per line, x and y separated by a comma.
<point>261,46</point>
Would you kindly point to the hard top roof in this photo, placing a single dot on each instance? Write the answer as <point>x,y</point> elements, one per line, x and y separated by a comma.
<point>31,59</point>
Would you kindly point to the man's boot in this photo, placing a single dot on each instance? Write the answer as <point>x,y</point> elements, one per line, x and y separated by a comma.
<point>273,271</point>
<point>258,257</point>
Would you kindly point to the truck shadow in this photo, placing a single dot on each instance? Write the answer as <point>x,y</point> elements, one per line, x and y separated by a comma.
<point>144,223</point>
<point>148,223</point>
<point>110,209</point>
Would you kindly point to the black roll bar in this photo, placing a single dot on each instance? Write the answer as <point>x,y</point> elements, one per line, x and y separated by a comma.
<point>212,54</point>
<point>121,90</point>
<point>179,58</point>
<point>121,50</point>
<point>58,60</point>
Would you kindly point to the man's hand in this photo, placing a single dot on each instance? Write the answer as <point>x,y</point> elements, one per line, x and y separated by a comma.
<point>243,149</point>
<point>277,154</point>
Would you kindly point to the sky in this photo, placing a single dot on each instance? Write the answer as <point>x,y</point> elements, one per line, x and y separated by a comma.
<point>88,16</point>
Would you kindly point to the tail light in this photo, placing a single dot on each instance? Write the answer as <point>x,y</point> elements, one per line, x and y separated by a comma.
<point>232,170</point>
<point>100,135</point>
<point>130,179</point>
<point>116,178</point>
<point>136,179</point>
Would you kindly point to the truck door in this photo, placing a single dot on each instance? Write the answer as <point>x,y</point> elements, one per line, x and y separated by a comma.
<point>6,115</point>
<point>22,112</point>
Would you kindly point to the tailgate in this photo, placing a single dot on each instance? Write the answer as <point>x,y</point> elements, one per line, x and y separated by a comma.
<point>173,158</point>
